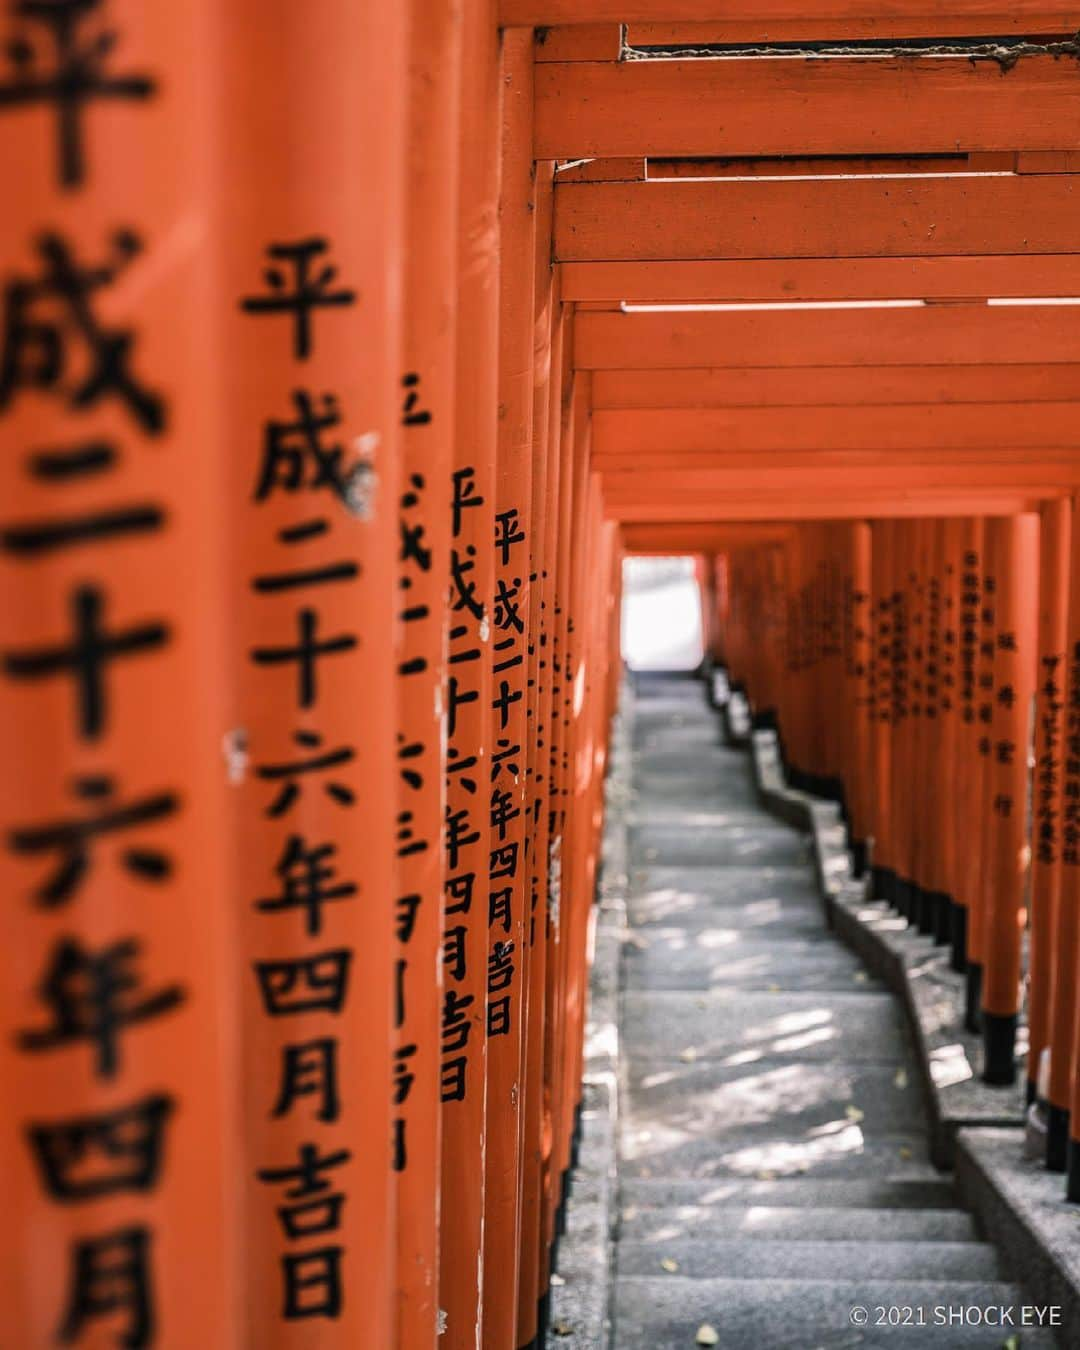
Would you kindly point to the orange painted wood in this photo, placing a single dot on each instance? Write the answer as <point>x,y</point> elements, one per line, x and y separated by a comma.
<point>315,1076</point>
<point>763,280</point>
<point>1048,839</point>
<point>922,18</point>
<point>674,537</point>
<point>817,477</point>
<point>466,837</point>
<point>858,657</point>
<point>937,335</point>
<point>842,166</point>
<point>684,432</point>
<point>1007,851</point>
<point>429,368</point>
<point>891,217</point>
<point>952,849</point>
<point>1064,1027</point>
<point>147,165</point>
<point>881,836</point>
<point>578,42</point>
<point>781,506</point>
<point>602,170</point>
<point>838,13</point>
<point>755,107</point>
<point>825,386</point>
<point>507,894</point>
<point>546,335</point>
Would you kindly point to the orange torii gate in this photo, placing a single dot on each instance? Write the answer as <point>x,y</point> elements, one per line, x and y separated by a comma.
<point>333,399</point>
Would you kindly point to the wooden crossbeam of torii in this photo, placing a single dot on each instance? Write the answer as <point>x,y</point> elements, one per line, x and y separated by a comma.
<point>782,504</point>
<point>937,236</point>
<point>775,19</point>
<point>816,386</point>
<point>920,336</point>
<point>753,106</point>
<point>689,434</point>
<point>701,537</point>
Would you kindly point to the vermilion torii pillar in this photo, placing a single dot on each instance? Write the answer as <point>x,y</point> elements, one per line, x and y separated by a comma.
<point>119,985</point>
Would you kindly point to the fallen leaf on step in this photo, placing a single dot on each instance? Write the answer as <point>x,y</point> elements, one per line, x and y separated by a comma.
<point>774,988</point>
<point>689,1055</point>
<point>905,1152</point>
<point>707,1335</point>
<point>854,1114</point>
<point>766,1175</point>
<point>861,977</point>
<point>901,1079</point>
<point>557,1281</point>
<point>669,1265</point>
<point>562,1328</point>
<point>1013,1343</point>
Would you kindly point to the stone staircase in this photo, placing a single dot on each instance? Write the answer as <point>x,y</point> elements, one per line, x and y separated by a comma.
<point>774,1179</point>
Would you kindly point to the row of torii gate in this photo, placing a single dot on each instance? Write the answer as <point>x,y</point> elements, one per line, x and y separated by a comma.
<point>347,347</point>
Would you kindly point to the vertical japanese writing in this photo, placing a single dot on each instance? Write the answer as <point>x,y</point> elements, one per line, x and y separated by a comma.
<point>308,484</point>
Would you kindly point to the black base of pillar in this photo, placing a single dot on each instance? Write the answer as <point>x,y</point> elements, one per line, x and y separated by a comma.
<point>904,898</point>
<point>1030,1092</point>
<point>973,998</point>
<point>1072,1181</point>
<point>925,910</point>
<point>860,856</point>
<point>1057,1138</point>
<point>883,881</point>
<point>943,920</point>
<point>959,937</point>
<point>543,1317</point>
<point>999,1049</point>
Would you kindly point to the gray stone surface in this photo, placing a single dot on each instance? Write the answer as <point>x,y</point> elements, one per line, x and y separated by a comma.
<point>740,1027</point>
<point>1022,1207</point>
<point>773,1168</point>
<point>679,959</point>
<point>846,1224</point>
<point>928,1189</point>
<point>664,1314</point>
<point>785,1096</point>
<point>768,1258</point>
<point>949,1058</point>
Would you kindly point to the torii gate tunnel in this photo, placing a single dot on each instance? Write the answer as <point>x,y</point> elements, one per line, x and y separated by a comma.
<point>347,349</point>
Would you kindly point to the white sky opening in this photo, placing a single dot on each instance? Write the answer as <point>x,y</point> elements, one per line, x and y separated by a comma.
<point>661,616</point>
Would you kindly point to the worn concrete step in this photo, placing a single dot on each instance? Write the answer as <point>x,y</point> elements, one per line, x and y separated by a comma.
<point>794,1222</point>
<point>930,1190</point>
<point>805,1099</point>
<point>799,915</point>
<point>790,1259</point>
<point>737,845</point>
<point>710,885</point>
<point>680,961</point>
<point>665,1314</point>
<point>658,1151</point>
<point>742,1027</point>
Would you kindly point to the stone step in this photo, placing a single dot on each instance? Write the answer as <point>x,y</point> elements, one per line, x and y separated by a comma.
<point>809,1259</point>
<point>665,1314</point>
<point>738,845</point>
<point>660,1151</point>
<point>680,961</point>
<point>800,1099</point>
<point>739,1027</point>
<point>886,1190</point>
<point>797,915</point>
<point>750,1223</point>
<point>719,885</point>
